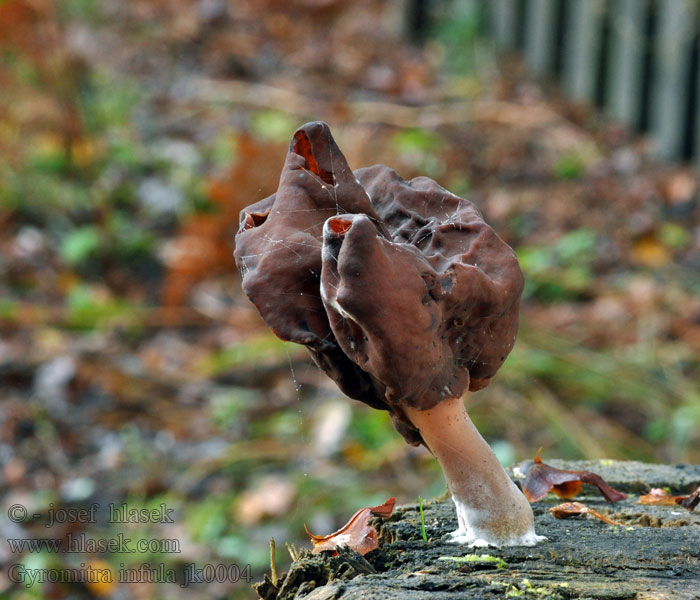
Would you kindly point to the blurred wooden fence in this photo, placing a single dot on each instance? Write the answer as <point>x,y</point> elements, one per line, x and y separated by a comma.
<point>637,60</point>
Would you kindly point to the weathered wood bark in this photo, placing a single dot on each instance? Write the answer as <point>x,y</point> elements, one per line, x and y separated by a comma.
<point>655,555</point>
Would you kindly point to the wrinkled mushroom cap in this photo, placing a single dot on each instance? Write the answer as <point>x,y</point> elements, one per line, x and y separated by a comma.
<point>400,291</point>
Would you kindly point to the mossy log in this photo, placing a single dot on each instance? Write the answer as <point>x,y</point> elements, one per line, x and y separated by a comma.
<point>655,554</point>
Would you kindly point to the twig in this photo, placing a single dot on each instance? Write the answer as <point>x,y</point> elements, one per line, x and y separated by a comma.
<point>292,551</point>
<point>273,562</point>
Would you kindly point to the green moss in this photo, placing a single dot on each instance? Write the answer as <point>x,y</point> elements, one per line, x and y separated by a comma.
<point>478,559</point>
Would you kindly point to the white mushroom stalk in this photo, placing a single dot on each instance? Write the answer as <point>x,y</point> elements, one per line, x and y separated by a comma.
<point>491,510</point>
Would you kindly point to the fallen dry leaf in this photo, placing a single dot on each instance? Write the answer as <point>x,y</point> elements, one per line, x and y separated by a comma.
<point>657,496</point>
<point>540,478</point>
<point>356,533</point>
<point>690,502</point>
<point>573,509</point>
<point>650,252</point>
<point>661,496</point>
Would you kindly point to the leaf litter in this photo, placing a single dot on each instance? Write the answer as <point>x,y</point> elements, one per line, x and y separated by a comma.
<point>540,478</point>
<point>357,533</point>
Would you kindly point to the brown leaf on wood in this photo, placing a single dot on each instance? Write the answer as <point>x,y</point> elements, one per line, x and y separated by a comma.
<point>661,496</point>
<point>573,509</point>
<point>689,502</point>
<point>540,478</point>
<point>356,533</point>
<point>658,496</point>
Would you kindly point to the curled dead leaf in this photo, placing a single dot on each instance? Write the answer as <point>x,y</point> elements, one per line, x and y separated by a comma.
<point>574,509</point>
<point>661,496</point>
<point>357,533</point>
<point>689,502</point>
<point>657,496</point>
<point>540,478</point>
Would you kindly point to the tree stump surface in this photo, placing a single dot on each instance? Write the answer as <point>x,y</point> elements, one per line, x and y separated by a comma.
<point>655,555</point>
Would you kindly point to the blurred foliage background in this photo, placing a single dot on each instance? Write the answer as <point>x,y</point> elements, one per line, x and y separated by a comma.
<point>132,368</point>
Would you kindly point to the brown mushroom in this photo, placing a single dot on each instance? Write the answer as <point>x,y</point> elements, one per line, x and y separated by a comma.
<point>405,297</point>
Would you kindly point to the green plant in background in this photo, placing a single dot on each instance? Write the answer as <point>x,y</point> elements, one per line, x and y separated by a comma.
<point>459,31</point>
<point>674,236</point>
<point>273,125</point>
<point>229,407</point>
<point>80,244</point>
<point>86,11</point>
<point>91,307</point>
<point>265,347</point>
<point>108,103</point>
<point>569,165</point>
<point>562,271</point>
<point>208,519</point>
<point>372,434</point>
<point>147,540</point>
<point>418,148</point>
<point>564,383</point>
<point>83,196</point>
<point>460,185</point>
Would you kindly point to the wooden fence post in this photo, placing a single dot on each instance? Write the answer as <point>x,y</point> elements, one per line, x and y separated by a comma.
<point>670,86</point>
<point>664,57</point>
<point>539,36</point>
<point>582,48</point>
<point>626,61</point>
<point>503,15</point>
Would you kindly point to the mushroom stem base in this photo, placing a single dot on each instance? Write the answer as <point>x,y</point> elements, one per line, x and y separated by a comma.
<point>474,535</point>
<point>491,510</point>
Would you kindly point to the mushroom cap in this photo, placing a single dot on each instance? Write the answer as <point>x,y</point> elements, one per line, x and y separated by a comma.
<point>401,292</point>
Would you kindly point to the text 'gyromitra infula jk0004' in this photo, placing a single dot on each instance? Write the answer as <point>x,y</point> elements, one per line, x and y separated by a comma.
<point>404,297</point>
